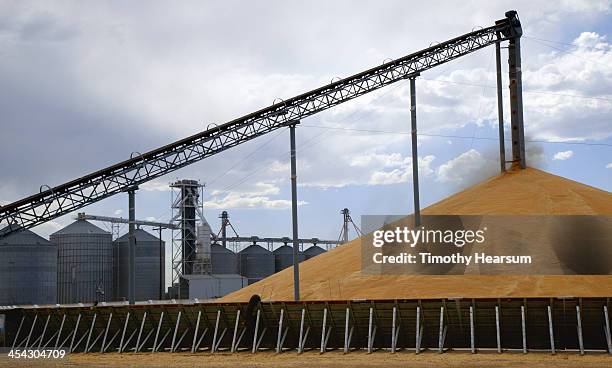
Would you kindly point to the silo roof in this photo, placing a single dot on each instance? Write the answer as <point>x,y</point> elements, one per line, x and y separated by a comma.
<point>81,227</point>
<point>23,237</point>
<point>218,248</point>
<point>285,249</point>
<point>315,249</point>
<point>254,248</point>
<point>140,235</point>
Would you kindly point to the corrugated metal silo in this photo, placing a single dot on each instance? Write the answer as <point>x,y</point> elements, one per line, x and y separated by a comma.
<point>315,250</point>
<point>84,263</point>
<point>283,257</point>
<point>223,261</point>
<point>148,261</point>
<point>28,269</point>
<point>256,263</point>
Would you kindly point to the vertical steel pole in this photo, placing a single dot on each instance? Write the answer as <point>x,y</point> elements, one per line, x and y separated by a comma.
<point>551,332</point>
<point>497,329</point>
<point>294,216</point>
<point>523,329</point>
<point>441,332</point>
<point>346,331</point>
<point>393,323</point>
<point>370,342</point>
<point>607,329</point>
<point>516,101</point>
<point>415,156</point>
<point>418,330</point>
<point>580,339</point>
<point>132,247</point>
<point>161,265</point>
<point>500,109</point>
<point>472,336</point>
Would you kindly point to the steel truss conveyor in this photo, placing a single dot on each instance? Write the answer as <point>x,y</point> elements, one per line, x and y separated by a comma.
<point>124,176</point>
<point>580,325</point>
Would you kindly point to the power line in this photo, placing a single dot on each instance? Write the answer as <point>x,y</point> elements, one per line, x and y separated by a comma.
<point>305,145</point>
<point>567,51</point>
<point>527,91</point>
<point>453,136</point>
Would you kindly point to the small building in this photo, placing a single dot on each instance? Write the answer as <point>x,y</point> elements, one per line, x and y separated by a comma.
<point>210,286</point>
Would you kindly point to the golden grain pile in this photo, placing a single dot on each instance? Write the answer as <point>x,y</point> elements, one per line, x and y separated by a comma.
<point>336,274</point>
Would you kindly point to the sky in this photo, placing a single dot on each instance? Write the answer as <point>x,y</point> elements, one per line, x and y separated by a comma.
<point>85,84</point>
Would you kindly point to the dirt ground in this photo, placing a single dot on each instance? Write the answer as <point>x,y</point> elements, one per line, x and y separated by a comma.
<point>329,359</point>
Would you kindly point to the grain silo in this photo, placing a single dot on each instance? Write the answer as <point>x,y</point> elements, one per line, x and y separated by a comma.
<point>283,257</point>
<point>223,260</point>
<point>256,263</point>
<point>149,273</point>
<point>84,263</point>
<point>315,250</point>
<point>28,269</point>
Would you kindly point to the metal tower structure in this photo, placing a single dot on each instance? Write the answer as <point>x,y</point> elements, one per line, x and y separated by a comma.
<point>186,210</point>
<point>346,221</point>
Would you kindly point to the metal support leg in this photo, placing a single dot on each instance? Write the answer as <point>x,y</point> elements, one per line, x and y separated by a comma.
<point>371,331</point>
<point>195,333</point>
<point>442,331</point>
<point>523,329</point>
<point>59,333</point>
<point>294,216</point>
<point>393,335</point>
<point>418,330</point>
<point>110,317</point>
<point>302,338</point>
<point>234,347</point>
<point>176,326</point>
<point>125,324</point>
<point>497,329</point>
<point>19,330</point>
<point>551,331</point>
<point>280,331</point>
<point>500,109</point>
<point>415,156</point>
<point>257,331</point>
<point>93,323</point>
<point>132,247</point>
<point>142,323</point>
<point>346,331</point>
<point>580,340</point>
<point>323,330</point>
<point>76,328</point>
<point>27,344</point>
<point>607,329</point>
<point>159,324</point>
<point>214,342</point>
<point>44,331</point>
<point>472,336</point>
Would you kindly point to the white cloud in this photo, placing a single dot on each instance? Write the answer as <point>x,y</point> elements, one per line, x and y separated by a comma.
<point>235,200</point>
<point>563,155</point>
<point>467,168</point>
<point>403,172</point>
<point>609,166</point>
<point>118,212</point>
<point>155,186</point>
